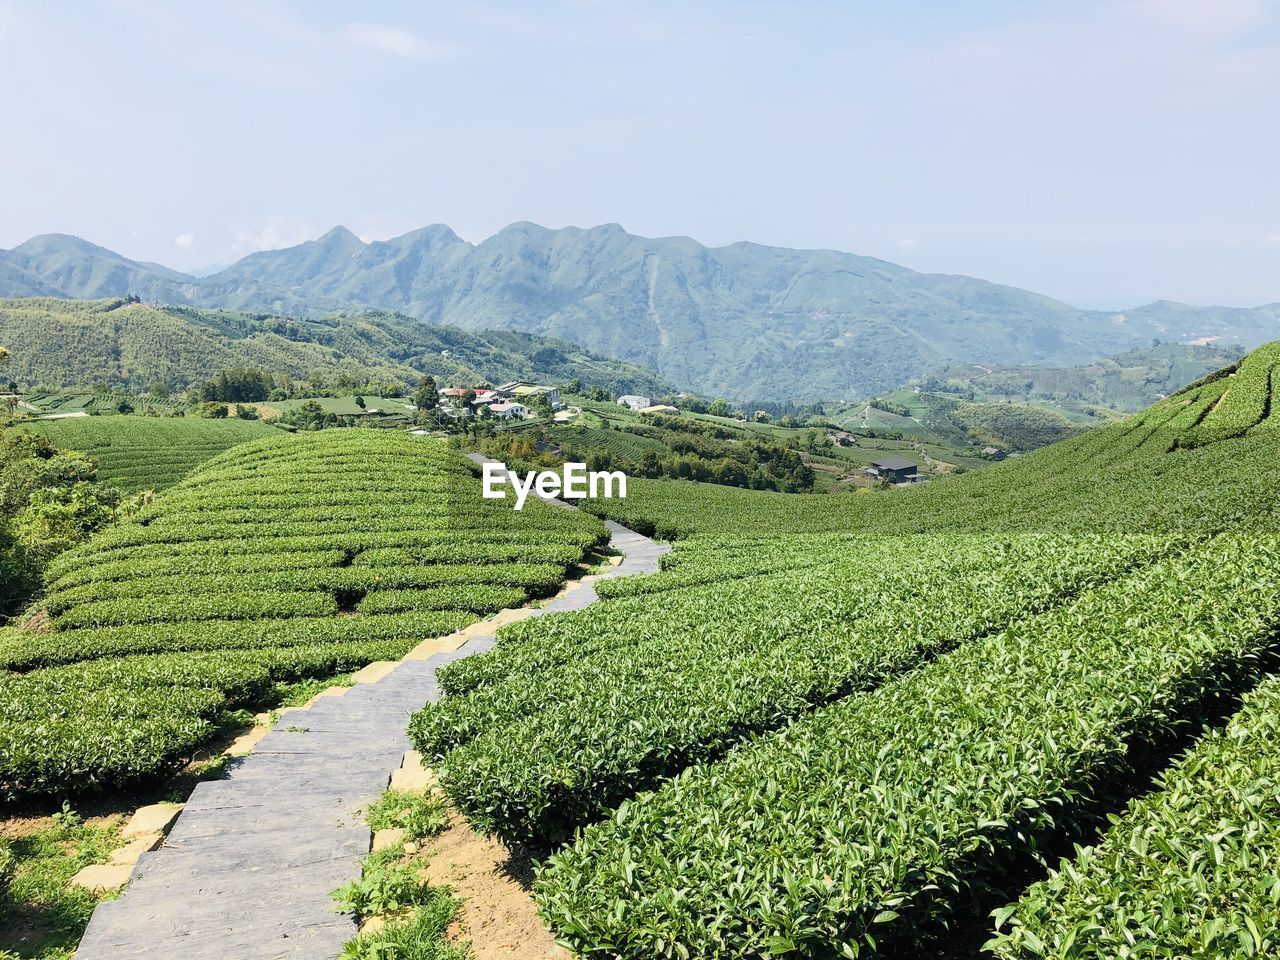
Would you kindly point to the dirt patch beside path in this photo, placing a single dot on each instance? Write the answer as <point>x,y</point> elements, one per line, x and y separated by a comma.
<point>498,915</point>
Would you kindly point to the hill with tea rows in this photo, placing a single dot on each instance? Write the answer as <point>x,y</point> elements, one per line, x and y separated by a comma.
<point>1200,459</point>
<point>890,704</point>
<point>146,453</point>
<point>289,557</point>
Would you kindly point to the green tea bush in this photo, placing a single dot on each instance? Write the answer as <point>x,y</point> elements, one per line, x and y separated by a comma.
<point>864,822</point>
<point>548,732</point>
<point>232,582</point>
<point>1192,870</point>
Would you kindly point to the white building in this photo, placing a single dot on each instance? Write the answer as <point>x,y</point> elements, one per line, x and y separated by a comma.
<point>635,403</point>
<point>509,410</point>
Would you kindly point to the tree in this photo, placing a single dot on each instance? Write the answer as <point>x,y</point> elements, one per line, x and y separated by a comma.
<point>427,396</point>
<point>573,386</point>
<point>360,401</point>
<point>719,407</point>
<point>49,500</point>
<point>310,416</point>
<point>541,405</point>
<point>238,385</point>
<point>10,402</point>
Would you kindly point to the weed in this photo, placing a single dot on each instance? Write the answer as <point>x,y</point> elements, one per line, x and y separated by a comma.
<point>420,815</point>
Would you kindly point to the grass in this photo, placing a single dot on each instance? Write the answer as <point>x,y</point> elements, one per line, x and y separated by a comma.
<point>421,936</point>
<point>301,692</point>
<point>147,453</point>
<point>419,815</point>
<point>346,406</point>
<point>41,916</point>
<point>417,914</point>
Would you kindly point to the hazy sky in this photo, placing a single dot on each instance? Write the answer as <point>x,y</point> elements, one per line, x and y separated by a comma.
<point>1108,153</point>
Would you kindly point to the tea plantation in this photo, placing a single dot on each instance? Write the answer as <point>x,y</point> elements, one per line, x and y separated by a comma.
<point>284,558</point>
<point>147,453</point>
<point>850,726</point>
<point>1033,707</point>
<point>1201,459</point>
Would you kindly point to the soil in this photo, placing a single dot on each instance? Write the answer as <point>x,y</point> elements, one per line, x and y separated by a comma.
<point>37,622</point>
<point>498,915</point>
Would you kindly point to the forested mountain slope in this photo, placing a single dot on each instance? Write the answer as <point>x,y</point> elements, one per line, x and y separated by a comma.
<point>745,320</point>
<point>77,343</point>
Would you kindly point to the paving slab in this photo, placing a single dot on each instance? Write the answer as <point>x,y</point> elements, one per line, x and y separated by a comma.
<point>103,877</point>
<point>247,868</point>
<point>155,818</point>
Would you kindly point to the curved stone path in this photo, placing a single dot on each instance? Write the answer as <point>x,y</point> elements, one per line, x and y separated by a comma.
<point>246,872</point>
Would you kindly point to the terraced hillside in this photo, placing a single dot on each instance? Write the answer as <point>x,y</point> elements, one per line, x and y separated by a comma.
<point>284,558</point>
<point>147,453</point>
<point>849,725</point>
<point>1203,458</point>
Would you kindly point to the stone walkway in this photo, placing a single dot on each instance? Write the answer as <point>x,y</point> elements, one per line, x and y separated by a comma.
<point>246,871</point>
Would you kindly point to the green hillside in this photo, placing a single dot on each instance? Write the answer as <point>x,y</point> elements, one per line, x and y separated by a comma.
<point>861,720</point>
<point>69,343</point>
<point>147,453</point>
<point>744,320</point>
<point>903,722</point>
<point>1198,459</point>
<point>293,556</point>
<point>1023,408</point>
<point>1127,382</point>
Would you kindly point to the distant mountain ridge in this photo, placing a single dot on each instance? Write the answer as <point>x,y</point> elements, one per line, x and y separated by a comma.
<point>746,321</point>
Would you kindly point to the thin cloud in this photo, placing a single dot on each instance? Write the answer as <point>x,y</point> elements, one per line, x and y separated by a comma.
<point>274,234</point>
<point>184,241</point>
<point>1200,19</point>
<point>393,40</point>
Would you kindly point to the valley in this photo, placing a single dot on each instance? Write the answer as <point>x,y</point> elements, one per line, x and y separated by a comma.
<point>811,641</point>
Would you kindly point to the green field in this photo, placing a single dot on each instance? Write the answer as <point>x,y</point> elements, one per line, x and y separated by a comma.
<point>617,442</point>
<point>286,558</point>
<point>97,403</point>
<point>890,704</point>
<point>147,453</point>
<point>346,406</point>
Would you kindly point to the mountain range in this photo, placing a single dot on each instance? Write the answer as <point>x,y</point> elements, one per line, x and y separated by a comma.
<point>744,321</point>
